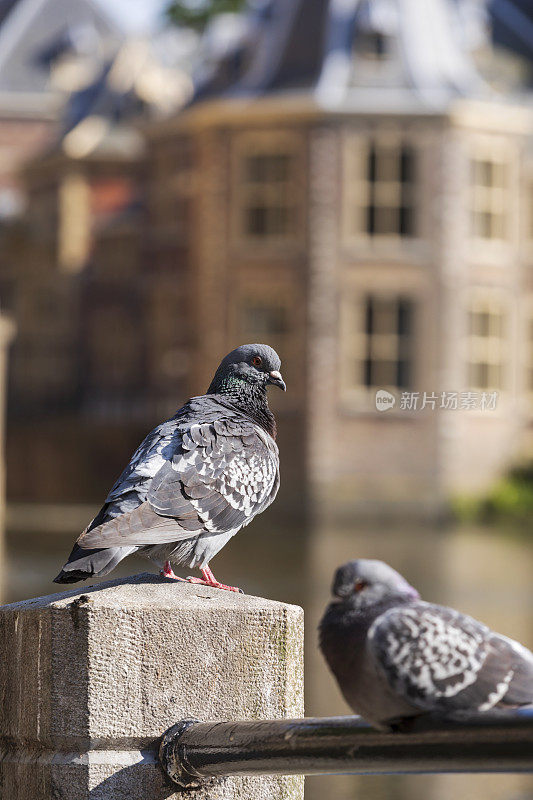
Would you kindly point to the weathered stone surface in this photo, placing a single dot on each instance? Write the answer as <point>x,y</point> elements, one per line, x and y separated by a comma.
<point>91,678</point>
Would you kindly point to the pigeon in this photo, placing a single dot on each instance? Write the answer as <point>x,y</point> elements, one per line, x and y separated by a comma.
<point>396,657</point>
<point>195,480</point>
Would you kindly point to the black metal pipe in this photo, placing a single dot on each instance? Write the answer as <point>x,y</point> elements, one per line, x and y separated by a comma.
<point>192,751</point>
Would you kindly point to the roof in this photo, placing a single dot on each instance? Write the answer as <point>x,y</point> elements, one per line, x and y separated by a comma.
<point>395,47</point>
<point>5,8</point>
<point>375,54</point>
<point>34,33</point>
<point>279,47</point>
<point>146,78</point>
<point>512,26</point>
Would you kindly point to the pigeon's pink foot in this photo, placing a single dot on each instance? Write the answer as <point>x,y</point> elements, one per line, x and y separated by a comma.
<point>210,580</point>
<point>168,572</point>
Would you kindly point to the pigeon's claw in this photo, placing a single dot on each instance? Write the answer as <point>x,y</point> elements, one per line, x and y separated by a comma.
<point>214,585</point>
<point>210,580</point>
<point>168,572</point>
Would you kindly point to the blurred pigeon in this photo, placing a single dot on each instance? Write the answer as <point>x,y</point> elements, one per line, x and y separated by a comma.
<point>395,656</point>
<point>195,480</point>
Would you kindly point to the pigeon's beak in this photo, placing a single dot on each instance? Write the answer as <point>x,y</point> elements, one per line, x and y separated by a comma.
<point>341,591</point>
<point>275,379</point>
<point>343,582</point>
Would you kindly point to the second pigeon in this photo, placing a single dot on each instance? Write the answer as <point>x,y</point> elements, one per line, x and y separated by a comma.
<point>395,656</point>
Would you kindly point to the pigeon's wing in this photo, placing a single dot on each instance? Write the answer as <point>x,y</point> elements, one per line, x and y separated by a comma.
<point>220,476</point>
<point>519,689</point>
<point>228,471</point>
<point>131,487</point>
<point>146,462</point>
<point>441,660</point>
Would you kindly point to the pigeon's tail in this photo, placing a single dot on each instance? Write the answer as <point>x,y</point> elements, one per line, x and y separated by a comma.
<point>83,564</point>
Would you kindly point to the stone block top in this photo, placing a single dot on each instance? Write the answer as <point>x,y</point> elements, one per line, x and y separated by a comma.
<point>148,590</point>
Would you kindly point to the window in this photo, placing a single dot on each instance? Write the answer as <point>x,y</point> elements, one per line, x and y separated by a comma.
<point>380,189</point>
<point>110,197</point>
<point>74,222</point>
<point>267,195</point>
<point>528,211</point>
<point>489,181</point>
<point>44,212</point>
<point>486,332</point>
<point>113,349</point>
<point>264,318</point>
<point>529,377</point>
<point>379,339</point>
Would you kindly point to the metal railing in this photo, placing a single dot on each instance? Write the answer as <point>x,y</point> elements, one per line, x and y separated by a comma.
<point>193,752</point>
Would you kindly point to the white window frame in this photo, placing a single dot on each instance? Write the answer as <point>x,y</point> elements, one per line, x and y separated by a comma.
<point>526,360</point>
<point>354,344</point>
<point>493,199</point>
<point>358,189</point>
<point>491,349</point>
<point>526,227</point>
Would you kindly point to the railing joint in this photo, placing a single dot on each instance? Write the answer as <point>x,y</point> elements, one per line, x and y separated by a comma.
<point>173,757</point>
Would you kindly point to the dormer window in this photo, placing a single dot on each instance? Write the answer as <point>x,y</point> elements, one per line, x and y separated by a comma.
<point>376,28</point>
<point>373,45</point>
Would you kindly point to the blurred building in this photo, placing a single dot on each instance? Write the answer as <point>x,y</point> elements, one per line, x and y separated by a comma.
<point>48,48</point>
<point>78,280</point>
<point>357,192</point>
<point>350,184</point>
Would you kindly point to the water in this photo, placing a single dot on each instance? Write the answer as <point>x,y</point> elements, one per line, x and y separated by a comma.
<point>486,574</point>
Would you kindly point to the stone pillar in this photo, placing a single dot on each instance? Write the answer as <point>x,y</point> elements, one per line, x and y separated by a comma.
<point>91,678</point>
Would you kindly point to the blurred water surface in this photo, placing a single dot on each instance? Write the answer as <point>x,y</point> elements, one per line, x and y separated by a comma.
<point>483,573</point>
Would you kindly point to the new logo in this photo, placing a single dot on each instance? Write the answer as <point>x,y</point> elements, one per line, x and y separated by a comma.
<point>384,400</point>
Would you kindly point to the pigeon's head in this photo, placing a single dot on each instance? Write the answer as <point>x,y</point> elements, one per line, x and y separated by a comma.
<point>255,364</point>
<point>363,583</point>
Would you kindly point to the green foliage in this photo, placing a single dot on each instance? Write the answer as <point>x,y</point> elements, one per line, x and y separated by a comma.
<point>197,13</point>
<point>466,508</point>
<point>509,501</point>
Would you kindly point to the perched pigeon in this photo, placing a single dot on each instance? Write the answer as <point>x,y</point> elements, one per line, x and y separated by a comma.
<point>196,479</point>
<point>395,656</point>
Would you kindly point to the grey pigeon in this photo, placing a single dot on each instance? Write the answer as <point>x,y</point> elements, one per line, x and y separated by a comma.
<point>395,656</point>
<point>195,480</point>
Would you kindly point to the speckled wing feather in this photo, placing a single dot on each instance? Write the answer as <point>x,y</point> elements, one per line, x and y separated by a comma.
<point>215,477</point>
<point>131,487</point>
<point>146,462</point>
<point>441,660</point>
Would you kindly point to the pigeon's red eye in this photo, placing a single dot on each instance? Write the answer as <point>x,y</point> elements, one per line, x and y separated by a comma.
<point>257,361</point>
<point>359,585</point>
